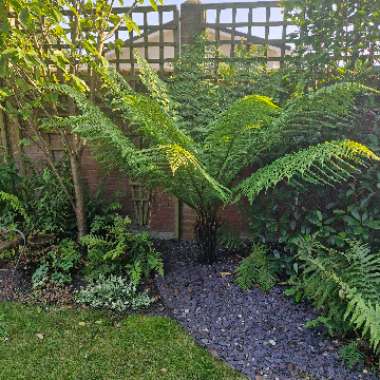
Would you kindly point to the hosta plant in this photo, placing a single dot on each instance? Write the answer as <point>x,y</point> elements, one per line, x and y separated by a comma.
<point>212,172</point>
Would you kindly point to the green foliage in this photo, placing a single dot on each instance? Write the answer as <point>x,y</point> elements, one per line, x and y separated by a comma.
<point>205,173</point>
<point>327,163</point>
<point>351,354</point>
<point>57,265</point>
<point>113,248</point>
<point>229,238</point>
<point>242,135</point>
<point>36,202</point>
<point>203,86</point>
<point>12,202</point>
<point>351,210</point>
<point>50,43</point>
<point>48,205</point>
<point>258,268</point>
<point>114,293</point>
<point>327,47</point>
<point>345,285</point>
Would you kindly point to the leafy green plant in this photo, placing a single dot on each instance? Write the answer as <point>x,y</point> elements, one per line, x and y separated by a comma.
<point>351,354</point>
<point>36,203</point>
<point>113,292</point>
<point>57,265</point>
<point>27,71</point>
<point>15,208</point>
<point>112,248</point>
<point>203,86</point>
<point>349,210</point>
<point>47,204</point>
<point>344,285</point>
<point>326,48</point>
<point>258,268</point>
<point>230,239</point>
<point>206,175</point>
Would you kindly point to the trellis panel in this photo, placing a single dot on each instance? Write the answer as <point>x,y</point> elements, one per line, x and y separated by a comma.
<point>227,34</point>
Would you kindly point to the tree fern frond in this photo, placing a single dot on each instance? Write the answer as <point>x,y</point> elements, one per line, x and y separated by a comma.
<point>341,158</point>
<point>155,86</point>
<point>152,163</point>
<point>154,124</point>
<point>179,159</point>
<point>257,268</point>
<point>329,107</point>
<point>238,136</point>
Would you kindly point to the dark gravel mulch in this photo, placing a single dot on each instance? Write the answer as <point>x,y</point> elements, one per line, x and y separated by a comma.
<point>12,283</point>
<point>260,334</point>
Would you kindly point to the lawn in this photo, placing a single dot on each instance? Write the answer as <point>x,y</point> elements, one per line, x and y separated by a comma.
<point>51,343</point>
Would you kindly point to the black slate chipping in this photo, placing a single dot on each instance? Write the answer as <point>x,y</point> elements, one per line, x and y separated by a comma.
<point>256,333</point>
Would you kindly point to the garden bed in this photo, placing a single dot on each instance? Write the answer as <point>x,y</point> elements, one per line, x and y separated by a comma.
<point>259,334</point>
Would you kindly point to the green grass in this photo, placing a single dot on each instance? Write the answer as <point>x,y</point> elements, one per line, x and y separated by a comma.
<point>65,344</point>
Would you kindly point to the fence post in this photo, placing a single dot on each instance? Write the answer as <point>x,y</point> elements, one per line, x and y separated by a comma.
<point>191,24</point>
<point>193,18</point>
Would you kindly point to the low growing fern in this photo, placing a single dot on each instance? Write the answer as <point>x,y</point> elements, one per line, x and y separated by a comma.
<point>113,248</point>
<point>345,285</point>
<point>258,268</point>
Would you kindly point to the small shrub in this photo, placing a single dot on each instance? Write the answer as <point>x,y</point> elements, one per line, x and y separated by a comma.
<point>351,354</point>
<point>113,292</point>
<point>57,266</point>
<point>36,202</point>
<point>258,268</point>
<point>230,239</point>
<point>48,205</point>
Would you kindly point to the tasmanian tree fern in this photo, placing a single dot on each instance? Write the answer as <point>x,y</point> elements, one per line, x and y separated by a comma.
<point>206,173</point>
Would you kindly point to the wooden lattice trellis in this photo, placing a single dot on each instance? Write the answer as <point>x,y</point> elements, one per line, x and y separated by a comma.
<point>251,24</point>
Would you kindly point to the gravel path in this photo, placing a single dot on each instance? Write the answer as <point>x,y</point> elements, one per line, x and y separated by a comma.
<point>262,335</point>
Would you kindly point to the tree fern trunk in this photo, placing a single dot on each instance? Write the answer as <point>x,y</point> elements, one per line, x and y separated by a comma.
<point>206,230</point>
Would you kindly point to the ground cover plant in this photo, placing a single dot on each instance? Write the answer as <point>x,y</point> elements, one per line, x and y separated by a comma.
<point>39,230</point>
<point>80,344</point>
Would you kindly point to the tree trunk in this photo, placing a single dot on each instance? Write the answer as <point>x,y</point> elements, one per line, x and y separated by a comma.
<point>206,230</point>
<point>80,205</point>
